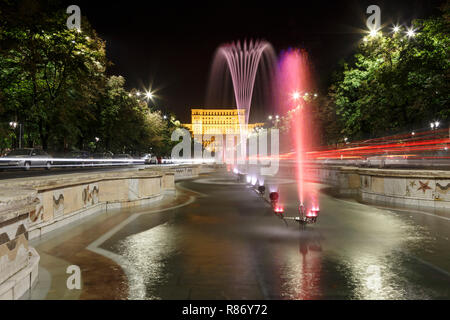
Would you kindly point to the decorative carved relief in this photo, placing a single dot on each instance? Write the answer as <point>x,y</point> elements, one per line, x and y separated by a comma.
<point>37,214</point>
<point>58,204</point>
<point>90,195</point>
<point>424,186</point>
<point>443,189</point>
<point>9,246</point>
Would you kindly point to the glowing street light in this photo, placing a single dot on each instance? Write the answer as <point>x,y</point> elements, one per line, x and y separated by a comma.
<point>396,29</point>
<point>270,118</point>
<point>138,94</point>
<point>436,124</point>
<point>373,33</point>
<point>411,33</point>
<point>14,125</point>
<point>149,95</point>
<point>432,125</point>
<point>296,95</point>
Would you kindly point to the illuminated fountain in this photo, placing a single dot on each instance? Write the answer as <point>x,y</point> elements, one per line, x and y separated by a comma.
<point>294,89</point>
<point>242,61</point>
<point>292,86</point>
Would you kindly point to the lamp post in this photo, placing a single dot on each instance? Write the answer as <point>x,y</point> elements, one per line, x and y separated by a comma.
<point>14,125</point>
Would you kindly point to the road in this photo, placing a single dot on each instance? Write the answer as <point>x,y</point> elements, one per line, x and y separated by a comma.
<point>217,239</point>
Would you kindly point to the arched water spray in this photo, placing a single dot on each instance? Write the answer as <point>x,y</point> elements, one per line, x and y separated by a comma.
<point>242,61</point>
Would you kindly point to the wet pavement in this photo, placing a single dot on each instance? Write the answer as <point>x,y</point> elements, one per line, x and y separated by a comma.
<point>217,239</point>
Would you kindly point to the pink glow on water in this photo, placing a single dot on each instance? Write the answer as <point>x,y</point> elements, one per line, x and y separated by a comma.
<point>294,89</point>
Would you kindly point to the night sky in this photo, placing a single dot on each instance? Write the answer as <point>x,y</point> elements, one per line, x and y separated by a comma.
<point>171,44</point>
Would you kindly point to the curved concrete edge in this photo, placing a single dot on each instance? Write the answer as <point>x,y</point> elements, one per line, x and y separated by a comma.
<point>60,200</point>
<point>17,285</point>
<point>78,215</point>
<point>134,277</point>
<point>427,191</point>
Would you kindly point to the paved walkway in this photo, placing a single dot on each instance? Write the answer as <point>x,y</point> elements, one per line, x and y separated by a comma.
<point>102,278</point>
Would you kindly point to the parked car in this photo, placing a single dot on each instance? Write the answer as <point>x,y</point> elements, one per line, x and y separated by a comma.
<point>78,155</point>
<point>123,157</point>
<point>102,156</point>
<point>146,157</point>
<point>151,160</point>
<point>28,158</point>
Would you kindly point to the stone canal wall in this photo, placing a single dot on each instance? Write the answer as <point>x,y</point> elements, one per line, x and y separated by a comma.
<point>31,207</point>
<point>18,261</point>
<point>423,190</point>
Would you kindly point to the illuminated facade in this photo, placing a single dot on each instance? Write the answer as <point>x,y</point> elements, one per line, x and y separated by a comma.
<point>218,121</point>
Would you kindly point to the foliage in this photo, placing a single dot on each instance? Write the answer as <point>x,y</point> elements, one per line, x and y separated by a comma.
<point>394,82</point>
<point>53,81</point>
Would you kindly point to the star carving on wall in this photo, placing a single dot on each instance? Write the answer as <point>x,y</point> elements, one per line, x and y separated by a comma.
<point>424,186</point>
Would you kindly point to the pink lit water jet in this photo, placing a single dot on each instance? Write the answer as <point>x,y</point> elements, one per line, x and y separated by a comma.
<point>294,91</point>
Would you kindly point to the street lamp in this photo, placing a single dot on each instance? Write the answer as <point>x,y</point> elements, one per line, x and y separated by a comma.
<point>13,125</point>
<point>411,33</point>
<point>296,95</point>
<point>396,29</point>
<point>436,124</point>
<point>270,117</point>
<point>149,95</point>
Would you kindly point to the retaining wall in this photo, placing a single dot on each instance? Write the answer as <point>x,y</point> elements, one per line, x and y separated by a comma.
<point>31,207</point>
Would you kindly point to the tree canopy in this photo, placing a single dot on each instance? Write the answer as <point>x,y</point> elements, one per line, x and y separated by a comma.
<point>54,82</point>
<point>395,81</point>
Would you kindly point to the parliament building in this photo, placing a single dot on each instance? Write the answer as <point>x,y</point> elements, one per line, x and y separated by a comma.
<point>218,121</point>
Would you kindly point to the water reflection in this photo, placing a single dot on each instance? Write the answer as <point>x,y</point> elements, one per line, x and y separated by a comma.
<point>230,252</point>
<point>303,270</point>
<point>149,253</point>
